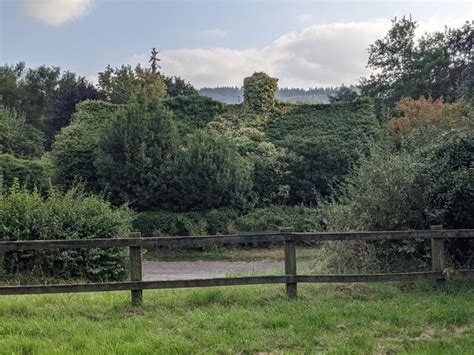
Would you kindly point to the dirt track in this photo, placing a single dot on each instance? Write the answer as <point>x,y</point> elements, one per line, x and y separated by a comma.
<point>173,270</point>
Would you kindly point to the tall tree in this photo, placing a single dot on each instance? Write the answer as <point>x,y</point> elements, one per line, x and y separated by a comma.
<point>437,65</point>
<point>154,60</point>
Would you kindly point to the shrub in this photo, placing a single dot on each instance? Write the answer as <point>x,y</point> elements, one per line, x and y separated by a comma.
<point>74,151</point>
<point>302,219</point>
<point>134,153</point>
<point>18,137</point>
<point>27,215</point>
<point>208,173</point>
<point>164,223</point>
<point>30,173</point>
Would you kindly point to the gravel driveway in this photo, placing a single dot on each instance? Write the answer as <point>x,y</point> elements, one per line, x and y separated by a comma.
<point>174,270</point>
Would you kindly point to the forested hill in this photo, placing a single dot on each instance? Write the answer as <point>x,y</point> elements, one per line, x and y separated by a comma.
<point>235,95</point>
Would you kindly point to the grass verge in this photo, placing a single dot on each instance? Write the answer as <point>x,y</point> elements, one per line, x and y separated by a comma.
<point>349,318</point>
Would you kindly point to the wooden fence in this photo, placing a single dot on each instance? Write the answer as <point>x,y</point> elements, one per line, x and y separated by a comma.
<point>135,243</point>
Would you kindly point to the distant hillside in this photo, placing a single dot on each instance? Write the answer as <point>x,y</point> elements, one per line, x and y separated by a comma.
<point>235,95</point>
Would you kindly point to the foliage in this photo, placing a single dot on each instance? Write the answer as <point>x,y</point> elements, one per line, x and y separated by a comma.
<point>322,142</point>
<point>134,154</point>
<point>74,151</point>
<point>164,223</point>
<point>437,65</point>
<point>423,120</point>
<point>27,215</point>
<point>208,173</point>
<point>18,137</point>
<point>260,93</point>
<point>193,112</point>
<point>343,94</point>
<point>300,218</point>
<point>266,161</point>
<point>175,86</point>
<point>44,96</point>
<point>125,85</point>
<point>30,173</point>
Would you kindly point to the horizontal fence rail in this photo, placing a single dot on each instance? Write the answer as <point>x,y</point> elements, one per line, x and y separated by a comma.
<point>135,243</point>
<point>277,237</point>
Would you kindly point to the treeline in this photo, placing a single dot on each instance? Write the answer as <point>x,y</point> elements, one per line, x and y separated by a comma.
<point>235,95</point>
<point>395,153</point>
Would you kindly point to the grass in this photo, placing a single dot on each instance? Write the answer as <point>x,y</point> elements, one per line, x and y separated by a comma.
<point>351,318</point>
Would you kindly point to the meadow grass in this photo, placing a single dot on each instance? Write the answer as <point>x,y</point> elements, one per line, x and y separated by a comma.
<point>351,318</point>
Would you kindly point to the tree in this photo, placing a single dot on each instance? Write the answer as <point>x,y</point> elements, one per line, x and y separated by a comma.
<point>154,60</point>
<point>70,91</point>
<point>260,93</point>
<point>343,94</point>
<point>437,65</point>
<point>175,86</point>
<point>18,137</point>
<point>124,85</point>
<point>134,153</point>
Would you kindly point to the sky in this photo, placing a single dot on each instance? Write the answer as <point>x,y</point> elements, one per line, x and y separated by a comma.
<point>214,42</point>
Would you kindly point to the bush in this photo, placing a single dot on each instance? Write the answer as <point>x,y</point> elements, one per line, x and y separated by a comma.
<point>18,137</point>
<point>27,215</point>
<point>74,151</point>
<point>164,223</point>
<point>134,155</point>
<point>208,173</point>
<point>30,173</point>
<point>302,219</point>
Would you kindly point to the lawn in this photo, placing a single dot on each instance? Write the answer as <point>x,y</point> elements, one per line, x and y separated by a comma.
<point>351,318</point>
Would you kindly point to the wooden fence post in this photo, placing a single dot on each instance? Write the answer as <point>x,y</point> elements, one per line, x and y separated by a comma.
<point>437,255</point>
<point>290,264</point>
<point>136,270</point>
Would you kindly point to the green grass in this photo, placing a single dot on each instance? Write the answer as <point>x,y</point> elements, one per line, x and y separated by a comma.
<point>363,318</point>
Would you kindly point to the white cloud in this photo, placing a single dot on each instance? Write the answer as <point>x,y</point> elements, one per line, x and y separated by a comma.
<point>214,33</point>
<point>54,12</point>
<point>319,55</point>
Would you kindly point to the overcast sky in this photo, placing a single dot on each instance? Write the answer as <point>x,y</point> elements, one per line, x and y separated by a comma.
<point>213,43</point>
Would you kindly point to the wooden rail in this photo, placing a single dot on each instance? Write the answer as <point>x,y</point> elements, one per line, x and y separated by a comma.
<point>135,243</point>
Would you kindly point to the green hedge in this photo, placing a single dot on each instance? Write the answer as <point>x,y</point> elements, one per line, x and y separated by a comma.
<point>27,215</point>
<point>30,173</point>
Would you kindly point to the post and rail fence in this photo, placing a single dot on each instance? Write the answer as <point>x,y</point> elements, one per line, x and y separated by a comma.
<point>136,243</point>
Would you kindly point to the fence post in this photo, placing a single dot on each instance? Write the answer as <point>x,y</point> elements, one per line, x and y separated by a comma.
<point>437,255</point>
<point>290,264</point>
<point>136,270</point>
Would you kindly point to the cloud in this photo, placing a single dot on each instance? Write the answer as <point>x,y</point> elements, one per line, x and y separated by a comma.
<point>320,55</point>
<point>214,33</point>
<point>54,12</point>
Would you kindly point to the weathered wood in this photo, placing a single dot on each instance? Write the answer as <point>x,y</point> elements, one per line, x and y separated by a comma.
<point>273,237</point>
<point>437,255</point>
<point>386,235</point>
<point>290,265</point>
<point>237,281</point>
<point>136,271</point>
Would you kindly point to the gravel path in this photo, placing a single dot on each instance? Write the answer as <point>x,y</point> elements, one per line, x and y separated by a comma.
<point>174,270</point>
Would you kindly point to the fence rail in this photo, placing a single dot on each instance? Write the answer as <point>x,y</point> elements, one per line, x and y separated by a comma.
<point>135,243</point>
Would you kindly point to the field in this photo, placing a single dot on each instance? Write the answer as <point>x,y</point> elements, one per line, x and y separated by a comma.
<point>350,318</point>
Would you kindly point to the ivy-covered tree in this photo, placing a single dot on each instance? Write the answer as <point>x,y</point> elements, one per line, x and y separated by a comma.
<point>260,93</point>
